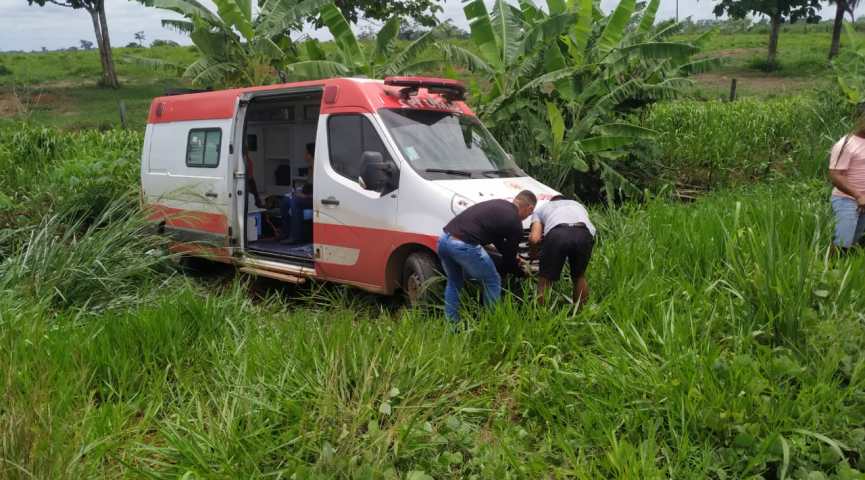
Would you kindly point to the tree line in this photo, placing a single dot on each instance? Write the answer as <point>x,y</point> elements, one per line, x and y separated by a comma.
<point>780,11</point>
<point>421,11</point>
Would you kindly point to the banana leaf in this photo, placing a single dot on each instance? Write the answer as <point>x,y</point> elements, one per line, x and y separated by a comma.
<point>385,38</point>
<point>481,31</point>
<point>615,29</point>
<point>648,19</point>
<point>342,34</point>
<point>233,16</point>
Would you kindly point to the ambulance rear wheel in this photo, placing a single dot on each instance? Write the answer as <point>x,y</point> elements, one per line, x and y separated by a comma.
<point>420,279</point>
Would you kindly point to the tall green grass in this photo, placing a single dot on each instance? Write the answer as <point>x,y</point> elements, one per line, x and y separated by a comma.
<point>64,261</point>
<point>721,342</point>
<point>715,144</point>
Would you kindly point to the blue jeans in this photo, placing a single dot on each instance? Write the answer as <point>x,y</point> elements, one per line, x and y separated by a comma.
<point>461,260</point>
<point>291,211</point>
<point>849,222</point>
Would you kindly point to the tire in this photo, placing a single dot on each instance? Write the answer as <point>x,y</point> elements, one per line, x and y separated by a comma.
<point>421,279</point>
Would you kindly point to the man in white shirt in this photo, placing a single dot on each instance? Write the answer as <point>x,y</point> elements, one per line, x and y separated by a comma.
<point>563,230</point>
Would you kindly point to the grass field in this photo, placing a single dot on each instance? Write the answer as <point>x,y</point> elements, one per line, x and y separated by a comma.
<point>59,88</point>
<point>722,343</point>
<point>802,57</point>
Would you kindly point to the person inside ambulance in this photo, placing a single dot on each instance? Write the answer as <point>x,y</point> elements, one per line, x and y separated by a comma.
<point>293,206</point>
<point>251,187</point>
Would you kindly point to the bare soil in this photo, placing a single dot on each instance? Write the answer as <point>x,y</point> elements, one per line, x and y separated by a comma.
<point>13,104</point>
<point>754,82</point>
<point>9,105</point>
<point>734,52</point>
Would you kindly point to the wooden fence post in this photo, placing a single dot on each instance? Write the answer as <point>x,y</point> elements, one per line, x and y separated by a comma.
<point>123,114</point>
<point>733,90</point>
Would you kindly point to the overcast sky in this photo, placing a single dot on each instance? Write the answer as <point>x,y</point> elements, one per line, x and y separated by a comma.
<point>23,27</point>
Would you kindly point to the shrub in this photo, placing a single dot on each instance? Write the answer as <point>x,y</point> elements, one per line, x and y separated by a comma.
<point>98,168</point>
<point>76,173</point>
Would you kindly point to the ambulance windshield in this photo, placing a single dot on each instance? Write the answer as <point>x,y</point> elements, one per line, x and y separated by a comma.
<point>448,145</point>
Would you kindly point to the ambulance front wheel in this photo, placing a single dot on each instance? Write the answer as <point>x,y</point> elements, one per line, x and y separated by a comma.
<point>421,279</point>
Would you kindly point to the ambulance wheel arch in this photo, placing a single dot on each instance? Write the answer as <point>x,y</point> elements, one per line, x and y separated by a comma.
<point>411,268</point>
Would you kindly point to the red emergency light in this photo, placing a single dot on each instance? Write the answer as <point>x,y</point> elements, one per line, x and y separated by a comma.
<point>450,89</point>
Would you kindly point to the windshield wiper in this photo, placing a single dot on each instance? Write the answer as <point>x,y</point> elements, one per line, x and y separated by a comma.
<point>503,171</point>
<point>460,173</point>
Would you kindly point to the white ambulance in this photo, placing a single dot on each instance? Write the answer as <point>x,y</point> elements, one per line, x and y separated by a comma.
<point>394,161</point>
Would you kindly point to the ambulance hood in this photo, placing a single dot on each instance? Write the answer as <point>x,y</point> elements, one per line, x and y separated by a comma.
<point>467,192</point>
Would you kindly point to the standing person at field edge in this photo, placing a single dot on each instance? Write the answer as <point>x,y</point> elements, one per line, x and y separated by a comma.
<point>847,173</point>
<point>462,253</point>
<point>563,230</point>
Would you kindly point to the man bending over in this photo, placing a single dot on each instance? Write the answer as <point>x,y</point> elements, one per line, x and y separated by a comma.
<point>567,234</point>
<point>461,247</point>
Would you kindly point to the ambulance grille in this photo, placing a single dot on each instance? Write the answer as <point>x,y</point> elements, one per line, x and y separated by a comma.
<point>525,252</point>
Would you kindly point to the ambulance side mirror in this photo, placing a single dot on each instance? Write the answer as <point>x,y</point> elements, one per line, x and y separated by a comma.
<point>376,174</point>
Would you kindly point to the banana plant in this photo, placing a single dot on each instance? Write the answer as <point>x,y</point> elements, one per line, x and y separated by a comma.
<point>562,82</point>
<point>385,56</point>
<point>237,47</point>
<point>850,67</point>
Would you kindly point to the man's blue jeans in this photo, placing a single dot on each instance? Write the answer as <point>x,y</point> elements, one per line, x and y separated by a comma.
<point>849,222</point>
<point>461,260</point>
<point>291,210</point>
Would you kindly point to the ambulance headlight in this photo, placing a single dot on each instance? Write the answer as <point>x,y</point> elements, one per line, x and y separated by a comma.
<point>460,203</point>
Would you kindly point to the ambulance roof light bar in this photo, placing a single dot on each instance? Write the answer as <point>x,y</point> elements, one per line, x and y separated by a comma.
<point>450,89</point>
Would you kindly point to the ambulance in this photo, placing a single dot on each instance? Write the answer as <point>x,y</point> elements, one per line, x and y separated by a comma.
<point>393,161</point>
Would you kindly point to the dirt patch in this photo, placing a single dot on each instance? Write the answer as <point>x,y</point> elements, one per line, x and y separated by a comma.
<point>747,82</point>
<point>19,103</point>
<point>733,52</point>
<point>66,83</point>
<point>9,105</point>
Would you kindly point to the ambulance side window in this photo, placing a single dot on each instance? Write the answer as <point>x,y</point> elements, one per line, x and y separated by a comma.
<point>348,137</point>
<point>202,147</point>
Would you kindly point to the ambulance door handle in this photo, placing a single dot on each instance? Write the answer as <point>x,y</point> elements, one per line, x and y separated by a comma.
<point>211,194</point>
<point>330,201</point>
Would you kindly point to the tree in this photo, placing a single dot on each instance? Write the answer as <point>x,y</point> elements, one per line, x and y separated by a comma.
<point>235,46</point>
<point>778,11</point>
<point>850,67</point>
<point>842,7</point>
<point>96,9</point>
<point>139,37</point>
<point>383,57</point>
<point>86,44</point>
<point>559,87</point>
<point>163,43</point>
<point>422,11</point>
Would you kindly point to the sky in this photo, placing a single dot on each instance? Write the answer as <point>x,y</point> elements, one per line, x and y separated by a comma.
<point>24,27</point>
